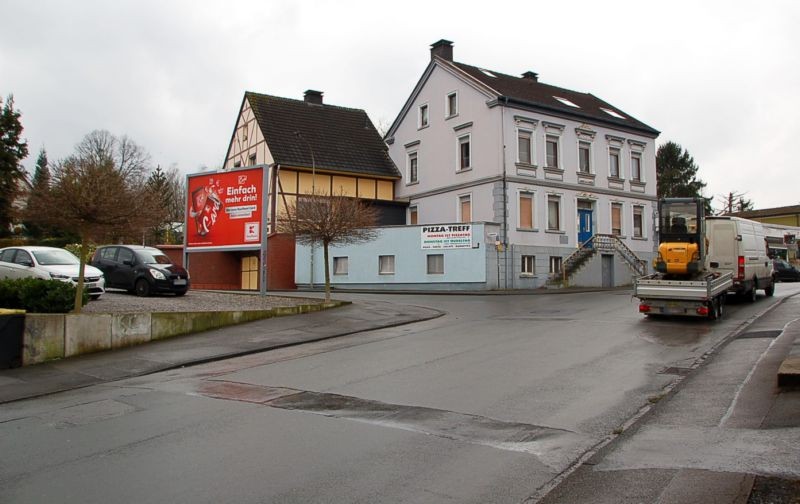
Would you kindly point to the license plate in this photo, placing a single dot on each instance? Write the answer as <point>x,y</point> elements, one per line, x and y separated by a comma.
<point>93,284</point>
<point>179,281</point>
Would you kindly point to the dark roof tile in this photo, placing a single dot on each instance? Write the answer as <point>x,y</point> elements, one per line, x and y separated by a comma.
<point>342,139</point>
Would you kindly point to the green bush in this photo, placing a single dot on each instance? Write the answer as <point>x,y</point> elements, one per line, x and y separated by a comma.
<point>36,295</point>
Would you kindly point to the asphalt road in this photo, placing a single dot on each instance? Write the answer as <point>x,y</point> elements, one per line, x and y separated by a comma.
<point>486,404</point>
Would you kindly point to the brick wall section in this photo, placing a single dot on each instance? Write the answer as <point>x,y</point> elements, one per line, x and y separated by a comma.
<point>222,270</point>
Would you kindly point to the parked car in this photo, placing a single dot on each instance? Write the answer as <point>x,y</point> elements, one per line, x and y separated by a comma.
<point>50,263</point>
<point>785,272</point>
<point>143,270</point>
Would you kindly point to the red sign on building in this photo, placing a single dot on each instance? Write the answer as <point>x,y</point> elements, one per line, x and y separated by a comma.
<point>225,209</point>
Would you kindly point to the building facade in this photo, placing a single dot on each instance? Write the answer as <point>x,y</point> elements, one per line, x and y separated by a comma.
<point>553,167</point>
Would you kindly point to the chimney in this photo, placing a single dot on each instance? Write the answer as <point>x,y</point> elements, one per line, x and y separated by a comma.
<point>531,75</point>
<point>312,96</point>
<point>443,49</point>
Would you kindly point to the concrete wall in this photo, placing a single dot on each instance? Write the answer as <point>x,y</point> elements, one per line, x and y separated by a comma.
<point>463,268</point>
<point>591,273</point>
<point>56,336</point>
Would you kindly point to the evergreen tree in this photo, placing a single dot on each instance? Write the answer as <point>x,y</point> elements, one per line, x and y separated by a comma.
<point>12,151</point>
<point>676,174</point>
<point>39,192</point>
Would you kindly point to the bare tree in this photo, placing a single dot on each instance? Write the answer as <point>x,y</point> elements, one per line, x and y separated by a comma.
<point>735,202</point>
<point>330,220</point>
<point>94,197</point>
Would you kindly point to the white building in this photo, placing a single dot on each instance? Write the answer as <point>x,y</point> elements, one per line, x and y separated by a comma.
<point>554,168</point>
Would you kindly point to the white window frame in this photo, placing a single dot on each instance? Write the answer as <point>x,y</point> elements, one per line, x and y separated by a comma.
<point>428,264</point>
<point>547,138</point>
<point>383,268</point>
<point>638,155</point>
<point>532,195</point>
<point>521,131</point>
<point>559,214</point>
<point>591,165</point>
<point>527,265</point>
<point>459,139</point>
<point>643,234</point>
<point>555,260</point>
<point>620,173</point>
<point>458,207</point>
<point>611,207</point>
<point>338,262</point>
<point>447,110</point>
<point>410,157</point>
<point>426,115</point>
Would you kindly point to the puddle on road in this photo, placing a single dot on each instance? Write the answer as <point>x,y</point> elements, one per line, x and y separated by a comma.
<point>674,333</point>
<point>555,448</point>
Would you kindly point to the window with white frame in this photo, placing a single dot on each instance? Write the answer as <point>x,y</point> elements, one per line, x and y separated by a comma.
<point>252,159</point>
<point>464,153</point>
<point>638,222</point>
<point>528,263</point>
<point>584,157</point>
<point>465,208</point>
<point>413,168</point>
<point>524,146</point>
<point>555,264</point>
<point>616,219</point>
<point>613,163</point>
<point>553,212</point>
<point>636,166</point>
<point>422,120</point>
<point>551,143</point>
<point>525,210</point>
<point>451,104</point>
<point>413,215</point>
<point>340,265</point>
<point>386,265</point>
<point>435,264</point>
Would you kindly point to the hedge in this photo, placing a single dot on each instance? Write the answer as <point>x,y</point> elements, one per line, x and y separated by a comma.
<point>36,295</point>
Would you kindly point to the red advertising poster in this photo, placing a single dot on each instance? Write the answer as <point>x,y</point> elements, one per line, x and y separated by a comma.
<point>224,209</point>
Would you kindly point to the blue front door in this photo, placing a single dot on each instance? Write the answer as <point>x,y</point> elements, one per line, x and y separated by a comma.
<point>584,225</point>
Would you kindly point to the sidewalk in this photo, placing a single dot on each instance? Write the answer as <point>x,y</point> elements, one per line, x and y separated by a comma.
<point>233,341</point>
<point>726,434</point>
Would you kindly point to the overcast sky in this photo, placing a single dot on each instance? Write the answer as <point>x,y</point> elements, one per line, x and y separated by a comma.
<point>721,78</point>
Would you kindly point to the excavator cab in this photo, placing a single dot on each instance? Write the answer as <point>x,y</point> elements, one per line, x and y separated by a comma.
<point>681,236</point>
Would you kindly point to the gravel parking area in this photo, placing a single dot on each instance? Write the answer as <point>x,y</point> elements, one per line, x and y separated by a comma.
<point>117,301</point>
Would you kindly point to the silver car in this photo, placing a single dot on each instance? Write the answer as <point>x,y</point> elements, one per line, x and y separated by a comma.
<point>50,263</point>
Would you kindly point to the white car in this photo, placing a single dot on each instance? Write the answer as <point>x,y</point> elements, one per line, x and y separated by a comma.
<point>50,263</point>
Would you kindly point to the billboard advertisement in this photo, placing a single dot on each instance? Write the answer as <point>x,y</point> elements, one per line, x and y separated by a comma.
<point>225,209</point>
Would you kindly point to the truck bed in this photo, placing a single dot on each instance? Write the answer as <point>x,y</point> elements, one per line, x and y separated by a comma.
<point>703,288</point>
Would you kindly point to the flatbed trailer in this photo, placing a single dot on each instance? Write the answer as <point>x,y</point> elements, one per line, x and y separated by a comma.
<point>699,297</point>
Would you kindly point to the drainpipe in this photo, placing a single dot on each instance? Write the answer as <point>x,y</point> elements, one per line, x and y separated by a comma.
<point>505,192</point>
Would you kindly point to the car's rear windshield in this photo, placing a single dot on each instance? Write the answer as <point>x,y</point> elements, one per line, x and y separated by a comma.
<point>153,257</point>
<point>55,257</point>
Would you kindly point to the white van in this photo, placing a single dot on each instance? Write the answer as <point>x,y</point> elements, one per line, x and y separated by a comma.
<point>740,245</point>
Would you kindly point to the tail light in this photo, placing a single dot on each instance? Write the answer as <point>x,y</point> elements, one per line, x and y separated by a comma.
<point>643,308</point>
<point>740,269</point>
<point>702,311</point>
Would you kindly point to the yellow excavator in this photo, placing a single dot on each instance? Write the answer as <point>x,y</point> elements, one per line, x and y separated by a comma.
<point>681,236</point>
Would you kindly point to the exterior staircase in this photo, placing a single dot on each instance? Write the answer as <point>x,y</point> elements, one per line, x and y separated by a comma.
<point>602,243</point>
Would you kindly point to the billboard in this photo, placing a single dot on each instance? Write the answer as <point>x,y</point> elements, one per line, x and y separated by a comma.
<point>448,236</point>
<point>224,209</point>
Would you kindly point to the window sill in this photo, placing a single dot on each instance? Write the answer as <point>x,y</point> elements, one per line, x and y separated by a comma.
<point>386,274</point>
<point>447,118</point>
<point>528,230</point>
<point>616,179</point>
<point>555,231</point>
<point>412,183</point>
<point>586,174</point>
<point>526,275</point>
<point>529,166</point>
<point>464,170</point>
<point>639,238</point>
<point>423,127</point>
<point>554,169</point>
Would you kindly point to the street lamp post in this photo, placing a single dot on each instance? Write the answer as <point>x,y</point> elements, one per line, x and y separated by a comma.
<point>313,194</point>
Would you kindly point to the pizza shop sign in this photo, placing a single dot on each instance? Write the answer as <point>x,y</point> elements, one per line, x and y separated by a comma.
<point>447,236</point>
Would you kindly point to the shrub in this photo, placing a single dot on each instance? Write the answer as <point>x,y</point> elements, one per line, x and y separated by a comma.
<point>36,295</point>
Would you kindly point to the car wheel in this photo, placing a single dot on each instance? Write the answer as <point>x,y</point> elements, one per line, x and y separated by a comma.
<point>94,298</point>
<point>142,288</point>
<point>721,306</point>
<point>751,294</point>
<point>713,309</point>
<point>770,289</point>
<point>180,293</point>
